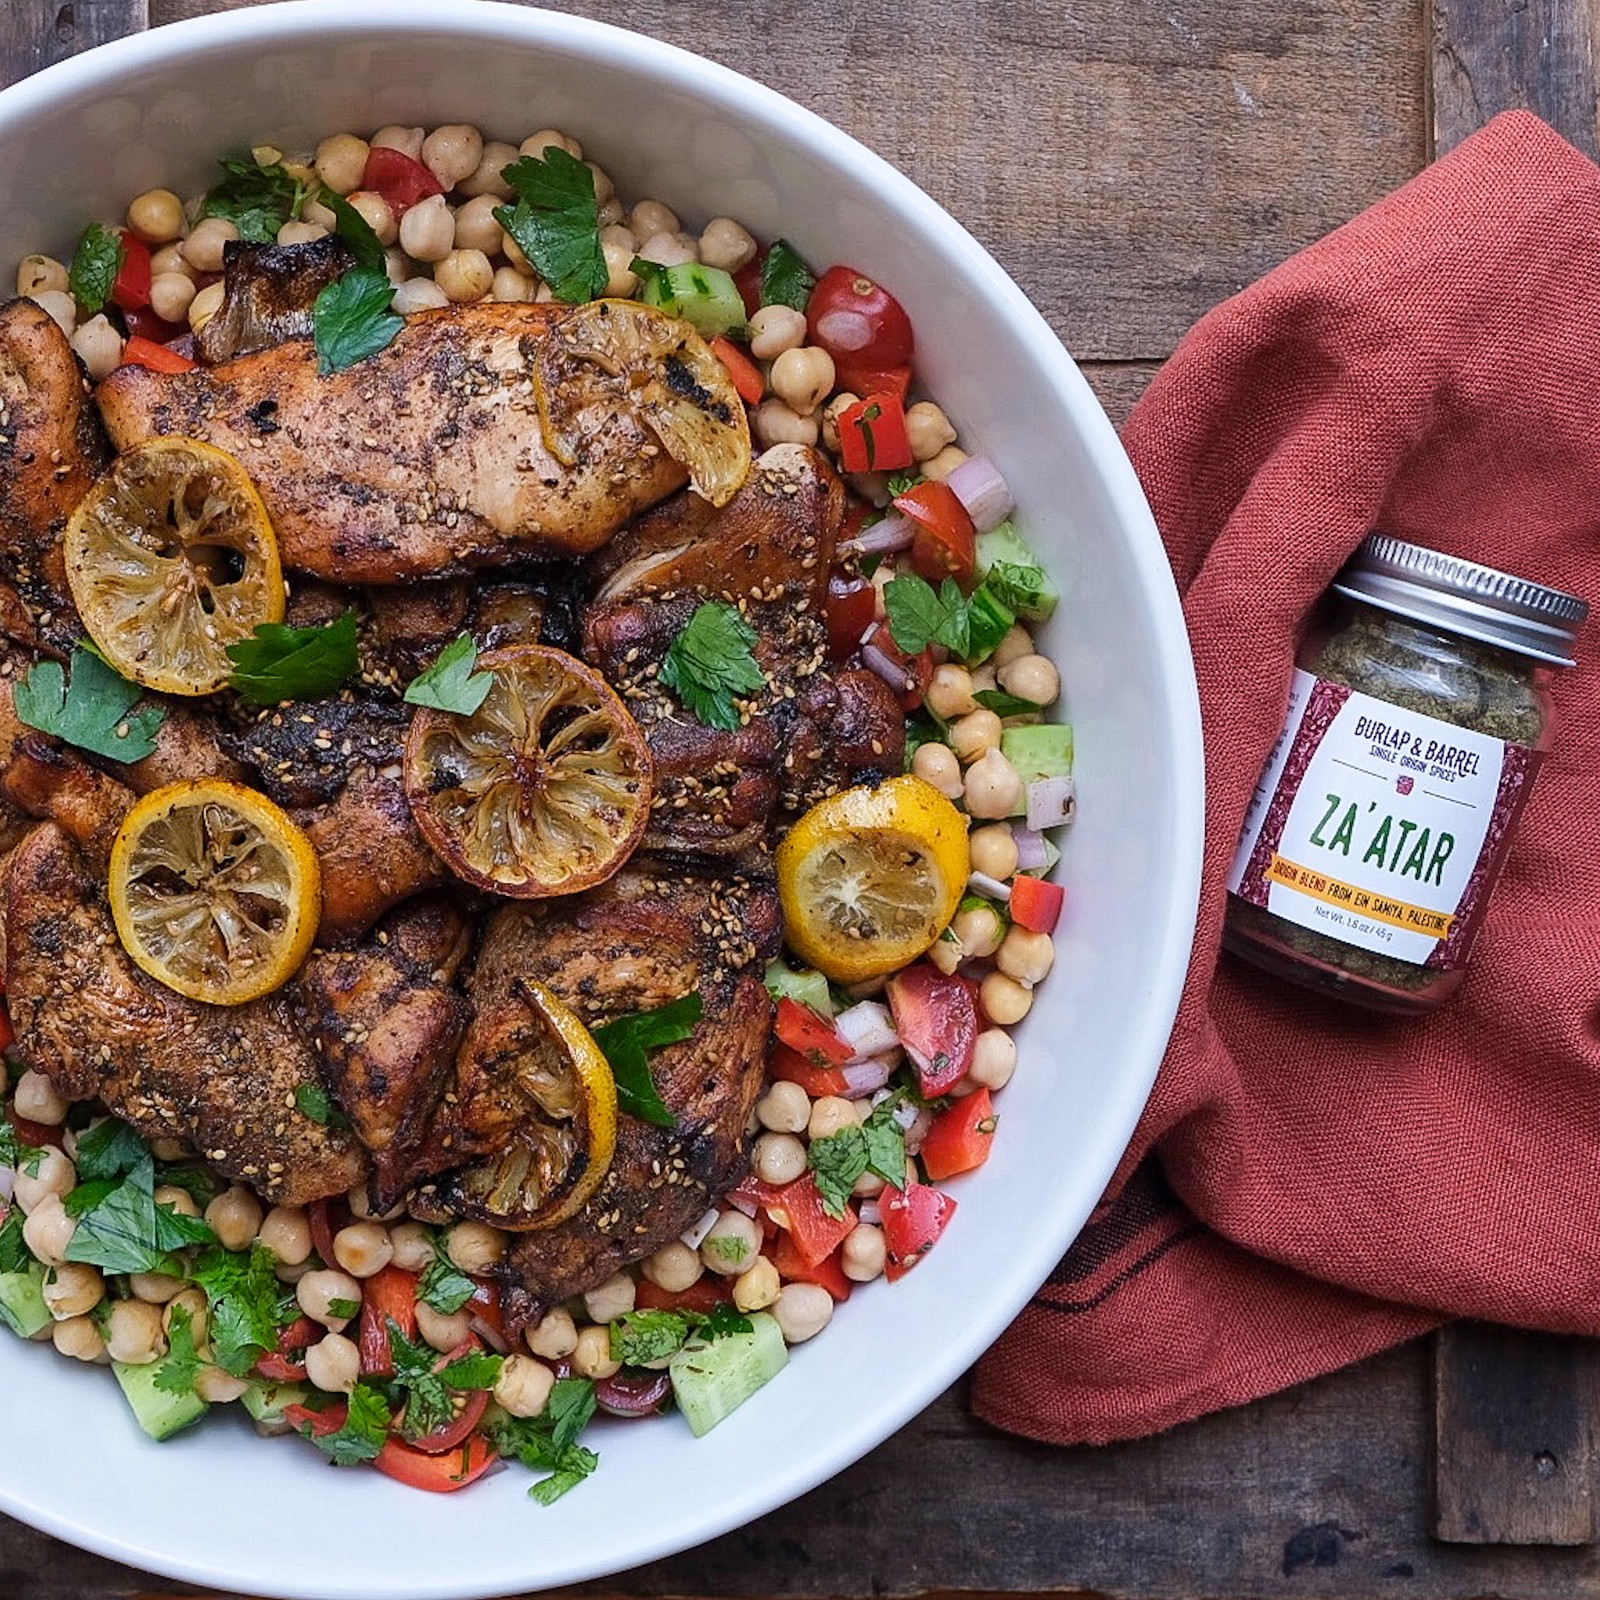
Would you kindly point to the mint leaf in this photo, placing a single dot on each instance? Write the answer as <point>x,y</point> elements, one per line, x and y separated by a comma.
<point>110,1149</point>
<point>93,711</point>
<point>366,1427</point>
<point>278,663</point>
<point>450,684</point>
<point>640,1337</point>
<point>785,278</point>
<point>256,199</point>
<point>556,223</point>
<point>710,663</point>
<point>120,1226</point>
<point>354,229</point>
<point>444,1286</point>
<point>351,319</point>
<point>624,1041</point>
<point>177,1372</point>
<point>95,265</point>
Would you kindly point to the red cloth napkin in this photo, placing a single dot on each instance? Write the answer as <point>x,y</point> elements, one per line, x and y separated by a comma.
<point>1323,1182</point>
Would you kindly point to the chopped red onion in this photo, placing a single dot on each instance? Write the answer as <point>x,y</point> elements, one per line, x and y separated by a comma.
<point>490,1335</point>
<point>980,488</point>
<point>894,532</point>
<point>903,1115</point>
<point>862,1078</point>
<point>868,1029</point>
<point>1033,851</point>
<point>870,1211</point>
<point>696,1236</point>
<point>889,670</point>
<point>992,888</point>
<point>8,1180</point>
<point>1051,802</point>
<point>633,1394</point>
<point>918,1131</point>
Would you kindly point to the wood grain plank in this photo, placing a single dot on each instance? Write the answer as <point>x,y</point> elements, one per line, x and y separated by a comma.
<point>38,33</point>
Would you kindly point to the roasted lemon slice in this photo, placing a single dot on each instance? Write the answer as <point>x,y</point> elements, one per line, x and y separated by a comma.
<point>869,878</point>
<point>544,789</point>
<point>543,1092</point>
<point>171,558</point>
<point>214,891</point>
<point>617,353</point>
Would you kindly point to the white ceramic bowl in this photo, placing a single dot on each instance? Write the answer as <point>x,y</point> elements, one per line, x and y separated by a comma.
<point>221,1507</point>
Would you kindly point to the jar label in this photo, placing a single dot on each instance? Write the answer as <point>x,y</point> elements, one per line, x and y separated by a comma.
<point>1378,826</point>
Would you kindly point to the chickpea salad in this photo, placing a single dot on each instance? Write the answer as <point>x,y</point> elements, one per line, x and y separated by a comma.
<point>529,715</point>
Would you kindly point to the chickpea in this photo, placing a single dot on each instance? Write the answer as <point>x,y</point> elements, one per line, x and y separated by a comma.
<point>928,430</point>
<point>732,1242</point>
<point>621,279</point>
<point>776,423</point>
<point>53,1176</point>
<point>170,295</point>
<point>605,191</point>
<point>61,308</point>
<point>537,143</point>
<point>476,229</point>
<point>757,1286</point>
<point>725,243</point>
<point>611,1299</point>
<point>73,1290</point>
<point>674,1267</point>
<point>408,141</point>
<point>1026,956</point>
<point>943,464</point>
<point>555,1337</point>
<point>170,258</point>
<point>464,275</point>
<point>475,1247</point>
<point>936,764</point>
<point>37,273</point>
<point>775,330</point>
<point>377,213</point>
<point>363,1249</point>
<point>341,162</point>
<point>980,931</point>
<point>428,229</point>
<point>975,735</point>
<point>217,1386</point>
<point>803,1310</point>
<point>779,1158</point>
<point>286,1232</point>
<point>666,249</point>
<point>443,1333</point>
<point>1004,1000</point>
<point>510,285</point>
<point>864,1253</point>
<point>994,1059</point>
<point>994,786</point>
<point>945,954</point>
<point>419,294</point>
<point>235,1217</point>
<point>413,1249</point>
<point>1017,643</point>
<point>79,1338</point>
<point>802,378</point>
<point>205,305</point>
<point>831,413</point>
<point>156,216</point>
<point>36,1099</point>
<point>177,1200</point>
<point>513,254</point>
<point>869,1185</point>
<point>315,211</point>
<point>133,1333</point>
<point>203,248</point>
<point>830,1115</point>
<point>155,1288</point>
<point>292,1275</point>
<point>950,694</point>
<point>1032,678</point>
<point>592,1357</point>
<point>993,850</point>
<point>784,1108</point>
<point>523,1387</point>
<point>333,1363</point>
<point>318,1291</point>
<point>193,1303</point>
<point>497,156</point>
<point>301,233</point>
<point>452,152</point>
<point>983,679</point>
<point>651,217</point>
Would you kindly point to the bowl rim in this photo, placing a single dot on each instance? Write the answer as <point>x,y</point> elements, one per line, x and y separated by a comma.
<point>110,66</point>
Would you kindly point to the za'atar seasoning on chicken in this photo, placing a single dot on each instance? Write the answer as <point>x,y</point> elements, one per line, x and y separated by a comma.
<point>1417,720</point>
<point>521,853</point>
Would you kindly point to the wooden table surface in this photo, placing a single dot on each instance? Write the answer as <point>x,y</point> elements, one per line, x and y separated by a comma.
<point>1131,163</point>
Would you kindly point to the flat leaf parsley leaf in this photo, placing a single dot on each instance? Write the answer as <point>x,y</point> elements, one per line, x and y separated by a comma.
<point>366,1427</point>
<point>94,710</point>
<point>549,1442</point>
<point>110,1149</point>
<point>354,229</point>
<point>623,1042</point>
<point>351,319</point>
<point>785,278</point>
<point>556,222</point>
<point>919,615</point>
<point>427,1386</point>
<point>1007,705</point>
<point>450,684</point>
<point>95,265</point>
<point>177,1372</point>
<point>709,665</point>
<point>256,199</point>
<point>278,663</point>
<point>248,1305</point>
<point>121,1228</point>
<point>314,1103</point>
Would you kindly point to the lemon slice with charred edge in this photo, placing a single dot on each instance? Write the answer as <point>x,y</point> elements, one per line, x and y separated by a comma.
<point>543,1078</point>
<point>171,558</point>
<point>870,878</point>
<point>544,789</point>
<point>214,891</point>
<point>612,354</point>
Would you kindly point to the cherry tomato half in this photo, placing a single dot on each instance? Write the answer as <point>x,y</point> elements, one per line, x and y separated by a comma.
<point>852,605</point>
<point>946,542</point>
<point>858,322</point>
<point>439,1474</point>
<point>937,1022</point>
<point>132,288</point>
<point>400,180</point>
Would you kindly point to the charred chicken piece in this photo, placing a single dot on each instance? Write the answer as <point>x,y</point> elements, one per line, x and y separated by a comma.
<point>268,291</point>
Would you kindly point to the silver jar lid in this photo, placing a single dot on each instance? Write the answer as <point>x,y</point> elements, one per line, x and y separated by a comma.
<point>1465,598</point>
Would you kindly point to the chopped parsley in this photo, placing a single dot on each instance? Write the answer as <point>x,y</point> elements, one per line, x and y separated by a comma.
<point>256,199</point>
<point>902,483</point>
<point>95,265</point>
<point>278,663</point>
<point>344,1308</point>
<point>785,278</point>
<point>354,229</point>
<point>624,1041</point>
<point>556,223</point>
<point>444,1286</point>
<point>920,615</point>
<point>366,1427</point>
<point>725,1247</point>
<point>450,684</point>
<point>839,1161</point>
<point>248,1305</point>
<point>425,1388</point>
<point>351,319</point>
<point>641,1338</point>
<point>709,665</point>
<point>312,1101</point>
<point>549,1443</point>
<point>93,710</point>
<point>177,1372</point>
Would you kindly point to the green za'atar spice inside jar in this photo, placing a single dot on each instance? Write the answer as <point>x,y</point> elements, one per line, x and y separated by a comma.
<point>1417,721</point>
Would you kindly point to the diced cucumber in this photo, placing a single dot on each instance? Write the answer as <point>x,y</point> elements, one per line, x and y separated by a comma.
<point>22,1306</point>
<point>160,1414</point>
<point>266,1402</point>
<point>1025,586</point>
<point>809,988</point>
<point>710,1380</point>
<point>989,620</point>
<point>703,296</point>
<point>1039,750</point>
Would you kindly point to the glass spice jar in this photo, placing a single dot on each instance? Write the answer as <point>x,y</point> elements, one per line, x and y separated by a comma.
<point>1418,717</point>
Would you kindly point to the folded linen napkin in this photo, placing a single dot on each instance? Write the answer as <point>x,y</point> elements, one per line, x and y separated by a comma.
<point>1312,1183</point>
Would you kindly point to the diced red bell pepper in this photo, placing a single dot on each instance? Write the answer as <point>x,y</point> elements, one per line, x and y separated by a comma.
<point>279,1369</point>
<point>132,288</point>
<point>321,1423</point>
<point>794,1268</point>
<point>747,280</point>
<point>919,668</point>
<point>946,541</point>
<point>789,1066</point>
<point>703,1295</point>
<point>872,435</point>
<point>400,180</point>
<point>913,1219</point>
<point>850,378</point>
<point>442,1474</point>
<point>1035,904</point>
<point>484,1307</point>
<point>852,605</point>
<point>745,373</point>
<point>390,1294</point>
<point>960,1138</point>
<point>138,351</point>
<point>327,1218</point>
<point>811,1033</point>
<point>937,1021</point>
<point>299,1335</point>
<point>815,1232</point>
<point>472,1405</point>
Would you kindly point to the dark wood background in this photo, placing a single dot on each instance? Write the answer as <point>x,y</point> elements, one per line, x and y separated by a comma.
<point>1131,163</point>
